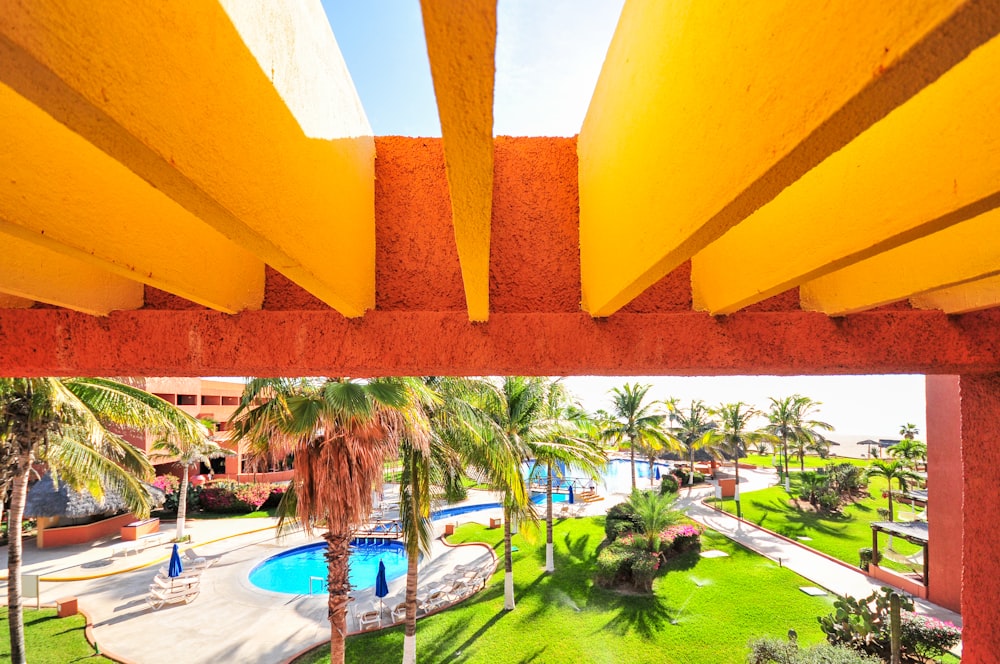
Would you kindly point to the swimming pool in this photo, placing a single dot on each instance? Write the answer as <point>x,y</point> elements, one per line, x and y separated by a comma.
<point>289,571</point>
<point>616,478</point>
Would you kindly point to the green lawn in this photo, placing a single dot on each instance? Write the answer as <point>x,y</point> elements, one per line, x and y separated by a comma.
<point>810,461</point>
<point>48,639</point>
<point>717,605</point>
<point>837,535</point>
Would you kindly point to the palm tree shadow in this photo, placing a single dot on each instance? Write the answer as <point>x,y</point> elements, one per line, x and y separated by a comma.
<point>644,615</point>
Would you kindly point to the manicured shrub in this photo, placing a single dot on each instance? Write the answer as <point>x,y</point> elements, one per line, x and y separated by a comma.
<point>644,565</point>
<point>277,491</point>
<point>621,519</point>
<point>684,537</point>
<point>668,484</point>
<point>611,564</point>
<point>221,497</point>
<point>253,495</point>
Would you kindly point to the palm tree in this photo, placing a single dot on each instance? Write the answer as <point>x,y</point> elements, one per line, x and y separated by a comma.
<point>892,470</point>
<point>909,431</point>
<point>443,401</point>
<point>655,511</point>
<point>909,450</point>
<point>185,453</point>
<point>695,430</point>
<point>789,421</point>
<point>341,432</point>
<point>735,418</point>
<point>64,422</point>
<point>513,413</point>
<point>636,422</point>
<point>568,437</point>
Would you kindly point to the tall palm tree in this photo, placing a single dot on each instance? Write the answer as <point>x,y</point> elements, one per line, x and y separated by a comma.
<point>513,412</point>
<point>568,437</point>
<point>892,470</point>
<point>735,437</point>
<point>636,422</point>
<point>695,430</point>
<point>443,401</point>
<point>341,432</point>
<point>64,423</point>
<point>789,420</point>
<point>909,431</point>
<point>185,453</point>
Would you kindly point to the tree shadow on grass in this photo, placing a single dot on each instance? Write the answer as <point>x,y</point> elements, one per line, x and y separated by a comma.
<point>643,615</point>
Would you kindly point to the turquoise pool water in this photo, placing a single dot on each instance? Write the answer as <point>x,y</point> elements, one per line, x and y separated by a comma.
<point>289,571</point>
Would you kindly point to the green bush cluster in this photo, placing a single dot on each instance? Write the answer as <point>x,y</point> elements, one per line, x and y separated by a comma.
<point>627,562</point>
<point>668,484</point>
<point>832,486</point>
<point>682,476</point>
<point>769,650</point>
<point>621,519</point>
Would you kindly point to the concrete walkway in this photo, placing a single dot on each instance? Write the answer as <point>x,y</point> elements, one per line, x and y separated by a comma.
<point>231,620</point>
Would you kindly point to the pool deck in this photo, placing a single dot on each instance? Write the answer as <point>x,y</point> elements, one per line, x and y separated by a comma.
<point>231,620</point>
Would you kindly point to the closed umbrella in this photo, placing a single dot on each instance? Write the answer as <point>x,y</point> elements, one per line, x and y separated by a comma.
<point>381,586</point>
<point>571,497</point>
<point>657,472</point>
<point>176,567</point>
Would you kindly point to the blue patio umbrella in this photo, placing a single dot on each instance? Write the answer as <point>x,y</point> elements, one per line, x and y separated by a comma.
<point>572,498</point>
<point>381,586</point>
<point>657,472</point>
<point>175,568</point>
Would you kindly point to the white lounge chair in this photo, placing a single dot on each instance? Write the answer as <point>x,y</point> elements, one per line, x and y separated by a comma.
<point>398,612</point>
<point>170,590</point>
<point>195,560</point>
<point>369,619</point>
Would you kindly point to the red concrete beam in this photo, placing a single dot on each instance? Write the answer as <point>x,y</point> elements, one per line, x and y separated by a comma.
<point>295,343</point>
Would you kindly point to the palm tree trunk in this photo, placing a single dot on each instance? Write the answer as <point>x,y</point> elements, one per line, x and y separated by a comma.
<point>802,460</point>
<point>508,564</point>
<point>652,460</point>
<point>182,503</point>
<point>410,633</point>
<point>631,452</point>
<point>550,563</point>
<point>890,512</point>
<point>784,447</point>
<point>691,466</point>
<point>15,611</point>
<point>338,555</point>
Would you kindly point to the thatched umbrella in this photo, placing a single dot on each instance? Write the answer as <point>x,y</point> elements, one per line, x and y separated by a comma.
<point>45,499</point>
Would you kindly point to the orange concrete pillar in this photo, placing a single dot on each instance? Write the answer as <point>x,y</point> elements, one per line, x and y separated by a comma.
<point>944,509</point>
<point>980,410</point>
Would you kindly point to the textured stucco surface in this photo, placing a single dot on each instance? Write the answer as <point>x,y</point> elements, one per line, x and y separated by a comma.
<point>944,509</point>
<point>980,397</point>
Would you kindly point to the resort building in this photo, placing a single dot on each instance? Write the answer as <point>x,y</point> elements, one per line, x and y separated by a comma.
<point>755,190</point>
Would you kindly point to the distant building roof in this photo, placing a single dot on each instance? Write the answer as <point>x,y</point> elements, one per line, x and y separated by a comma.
<point>48,500</point>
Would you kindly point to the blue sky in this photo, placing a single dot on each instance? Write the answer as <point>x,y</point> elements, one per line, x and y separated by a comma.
<point>549,56</point>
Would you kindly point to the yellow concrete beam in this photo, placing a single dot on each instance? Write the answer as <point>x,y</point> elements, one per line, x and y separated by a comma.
<point>36,273</point>
<point>14,302</point>
<point>243,115</point>
<point>973,296</point>
<point>961,253</point>
<point>704,111</point>
<point>62,192</point>
<point>461,43</point>
<point>930,163</point>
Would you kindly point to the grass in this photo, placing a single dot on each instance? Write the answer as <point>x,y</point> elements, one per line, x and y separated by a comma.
<point>765,461</point>
<point>837,535</point>
<point>48,639</point>
<point>718,605</point>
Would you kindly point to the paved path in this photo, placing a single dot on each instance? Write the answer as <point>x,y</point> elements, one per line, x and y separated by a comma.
<point>231,620</point>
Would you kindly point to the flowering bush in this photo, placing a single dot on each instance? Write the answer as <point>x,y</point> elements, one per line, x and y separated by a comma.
<point>926,636</point>
<point>644,566</point>
<point>168,484</point>
<point>253,495</point>
<point>680,538</point>
<point>277,492</point>
<point>220,497</point>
